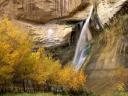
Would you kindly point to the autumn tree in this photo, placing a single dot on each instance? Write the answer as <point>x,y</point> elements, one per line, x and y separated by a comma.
<point>20,64</point>
<point>69,79</point>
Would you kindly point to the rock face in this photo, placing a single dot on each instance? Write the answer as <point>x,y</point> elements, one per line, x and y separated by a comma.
<point>50,34</point>
<point>40,10</point>
<point>108,8</point>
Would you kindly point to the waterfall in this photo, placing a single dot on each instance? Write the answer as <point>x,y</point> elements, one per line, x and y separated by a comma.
<point>83,44</point>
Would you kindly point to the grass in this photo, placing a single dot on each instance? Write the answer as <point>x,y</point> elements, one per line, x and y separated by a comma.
<point>31,94</point>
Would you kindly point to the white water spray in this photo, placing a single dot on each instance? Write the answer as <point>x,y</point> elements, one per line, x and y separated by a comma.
<point>83,44</point>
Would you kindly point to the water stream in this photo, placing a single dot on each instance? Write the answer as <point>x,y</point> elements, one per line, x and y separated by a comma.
<point>83,44</point>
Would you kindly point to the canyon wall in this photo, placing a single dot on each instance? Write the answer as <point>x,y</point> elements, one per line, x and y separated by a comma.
<point>40,10</point>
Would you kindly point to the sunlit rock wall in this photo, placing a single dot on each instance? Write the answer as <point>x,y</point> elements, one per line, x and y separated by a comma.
<point>40,10</point>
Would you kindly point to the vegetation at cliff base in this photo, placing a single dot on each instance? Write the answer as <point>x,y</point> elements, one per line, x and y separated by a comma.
<point>24,70</point>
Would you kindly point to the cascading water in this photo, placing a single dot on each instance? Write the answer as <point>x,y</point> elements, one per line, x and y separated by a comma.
<point>83,44</point>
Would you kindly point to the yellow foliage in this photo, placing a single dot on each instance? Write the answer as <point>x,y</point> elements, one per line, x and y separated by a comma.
<point>69,79</point>
<point>122,79</point>
<point>18,62</point>
<point>12,48</point>
<point>16,55</point>
<point>120,86</point>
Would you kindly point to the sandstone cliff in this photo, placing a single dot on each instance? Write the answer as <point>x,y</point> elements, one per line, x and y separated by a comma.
<point>40,10</point>
<point>32,14</point>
